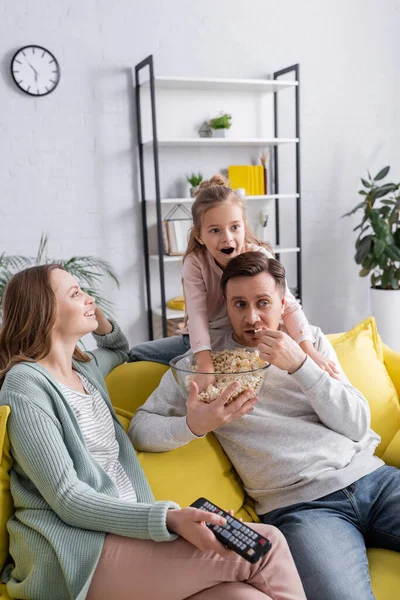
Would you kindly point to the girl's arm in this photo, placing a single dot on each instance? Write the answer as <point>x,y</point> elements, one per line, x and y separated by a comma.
<point>197,311</point>
<point>40,451</point>
<point>298,328</point>
<point>111,343</point>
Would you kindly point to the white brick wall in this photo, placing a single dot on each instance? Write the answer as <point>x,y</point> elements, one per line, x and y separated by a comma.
<point>67,165</point>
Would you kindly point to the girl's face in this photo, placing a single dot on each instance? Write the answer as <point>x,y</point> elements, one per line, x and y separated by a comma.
<point>75,309</point>
<point>222,232</point>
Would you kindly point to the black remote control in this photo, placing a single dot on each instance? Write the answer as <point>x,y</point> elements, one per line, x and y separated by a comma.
<point>235,535</point>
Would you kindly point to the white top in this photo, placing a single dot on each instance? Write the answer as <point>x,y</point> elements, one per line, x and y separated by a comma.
<point>97,427</point>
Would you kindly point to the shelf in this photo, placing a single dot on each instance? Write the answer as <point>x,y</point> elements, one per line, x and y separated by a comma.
<point>283,250</point>
<point>248,198</point>
<point>239,85</point>
<point>167,258</point>
<point>228,142</point>
<point>171,313</point>
<point>276,249</point>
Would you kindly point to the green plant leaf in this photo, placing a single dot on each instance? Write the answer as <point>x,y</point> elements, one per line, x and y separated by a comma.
<point>360,205</point>
<point>382,173</point>
<point>364,272</point>
<point>393,252</point>
<point>380,227</point>
<point>363,249</point>
<point>384,189</point>
<point>366,183</point>
<point>379,247</point>
<point>388,202</point>
<point>385,279</point>
<point>375,279</point>
<point>362,192</point>
<point>396,237</point>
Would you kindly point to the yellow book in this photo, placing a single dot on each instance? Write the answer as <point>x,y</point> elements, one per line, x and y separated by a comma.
<point>239,177</point>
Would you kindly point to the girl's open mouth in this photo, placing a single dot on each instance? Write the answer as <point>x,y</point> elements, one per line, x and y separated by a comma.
<point>227,250</point>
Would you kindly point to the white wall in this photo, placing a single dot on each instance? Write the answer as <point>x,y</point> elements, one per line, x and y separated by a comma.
<point>67,161</point>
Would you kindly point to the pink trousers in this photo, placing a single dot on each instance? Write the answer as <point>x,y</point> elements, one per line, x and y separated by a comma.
<point>131,569</point>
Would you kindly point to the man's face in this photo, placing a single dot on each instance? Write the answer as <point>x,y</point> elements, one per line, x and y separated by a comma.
<point>254,303</point>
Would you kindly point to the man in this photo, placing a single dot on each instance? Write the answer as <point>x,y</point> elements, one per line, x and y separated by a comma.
<point>304,450</point>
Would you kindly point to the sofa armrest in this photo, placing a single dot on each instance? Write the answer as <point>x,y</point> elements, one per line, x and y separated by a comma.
<point>391,359</point>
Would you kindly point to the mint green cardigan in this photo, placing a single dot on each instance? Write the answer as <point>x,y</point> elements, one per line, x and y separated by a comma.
<point>65,502</point>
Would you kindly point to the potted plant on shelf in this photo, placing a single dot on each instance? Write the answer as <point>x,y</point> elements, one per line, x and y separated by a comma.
<point>220,124</point>
<point>378,252</point>
<point>88,270</point>
<point>195,181</point>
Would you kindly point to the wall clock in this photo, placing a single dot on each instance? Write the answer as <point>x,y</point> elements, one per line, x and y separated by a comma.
<point>35,70</point>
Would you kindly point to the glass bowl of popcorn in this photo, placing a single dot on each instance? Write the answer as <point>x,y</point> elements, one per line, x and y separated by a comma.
<point>241,365</point>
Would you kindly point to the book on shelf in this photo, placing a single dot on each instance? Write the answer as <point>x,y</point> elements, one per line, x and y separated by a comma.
<point>177,233</point>
<point>249,177</point>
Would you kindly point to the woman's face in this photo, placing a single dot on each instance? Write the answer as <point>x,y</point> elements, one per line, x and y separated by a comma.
<point>75,309</point>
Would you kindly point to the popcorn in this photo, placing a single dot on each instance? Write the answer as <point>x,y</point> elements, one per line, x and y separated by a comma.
<point>232,361</point>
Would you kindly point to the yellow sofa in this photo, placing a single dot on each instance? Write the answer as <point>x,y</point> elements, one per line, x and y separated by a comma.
<point>202,469</point>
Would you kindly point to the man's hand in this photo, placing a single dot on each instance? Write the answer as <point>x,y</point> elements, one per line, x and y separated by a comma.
<point>104,326</point>
<point>279,349</point>
<point>203,418</point>
<point>190,523</point>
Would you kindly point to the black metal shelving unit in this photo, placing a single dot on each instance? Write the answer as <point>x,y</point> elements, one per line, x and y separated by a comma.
<point>148,64</point>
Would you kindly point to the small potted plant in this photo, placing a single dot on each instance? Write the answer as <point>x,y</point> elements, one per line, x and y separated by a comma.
<point>195,181</point>
<point>378,252</point>
<point>220,124</point>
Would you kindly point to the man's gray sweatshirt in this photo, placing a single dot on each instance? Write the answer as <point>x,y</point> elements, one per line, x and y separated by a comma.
<point>307,437</point>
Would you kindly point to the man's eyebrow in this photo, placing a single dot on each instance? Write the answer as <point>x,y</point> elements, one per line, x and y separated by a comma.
<point>257,296</point>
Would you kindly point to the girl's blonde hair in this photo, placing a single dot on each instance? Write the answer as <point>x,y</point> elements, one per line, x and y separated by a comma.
<point>29,314</point>
<point>211,193</point>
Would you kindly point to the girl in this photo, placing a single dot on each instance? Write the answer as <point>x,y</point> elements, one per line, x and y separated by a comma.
<point>86,524</point>
<point>220,232</point>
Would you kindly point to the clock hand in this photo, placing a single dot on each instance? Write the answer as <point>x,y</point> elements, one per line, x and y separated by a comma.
<point>36,73</point>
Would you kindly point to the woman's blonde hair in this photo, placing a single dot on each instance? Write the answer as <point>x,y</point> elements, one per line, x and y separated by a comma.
<point>211,193</point>
<point>29,314</point>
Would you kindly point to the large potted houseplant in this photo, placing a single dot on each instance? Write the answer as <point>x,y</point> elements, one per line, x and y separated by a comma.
<point>378,251</point>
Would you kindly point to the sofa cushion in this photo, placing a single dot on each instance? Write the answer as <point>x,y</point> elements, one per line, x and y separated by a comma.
<point>200,468</point>
<point>6,502</point>
<point>360,353</point>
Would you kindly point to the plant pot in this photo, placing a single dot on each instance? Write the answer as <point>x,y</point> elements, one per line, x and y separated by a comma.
<point>193,191</point>
<point>386,310</point>
<point>219,133</point>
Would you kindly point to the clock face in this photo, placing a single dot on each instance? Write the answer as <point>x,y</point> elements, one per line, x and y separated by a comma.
<point>35,70</point>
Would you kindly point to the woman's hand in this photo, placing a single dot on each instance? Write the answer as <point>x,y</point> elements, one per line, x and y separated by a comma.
<point>103,325</point>
<point>203,418</point>
<point>190,523</point>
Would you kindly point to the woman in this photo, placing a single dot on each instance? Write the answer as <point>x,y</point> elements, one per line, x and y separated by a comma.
<point>86,524</point>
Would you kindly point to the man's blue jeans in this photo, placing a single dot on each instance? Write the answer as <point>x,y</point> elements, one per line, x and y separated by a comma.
<point>328,537</point>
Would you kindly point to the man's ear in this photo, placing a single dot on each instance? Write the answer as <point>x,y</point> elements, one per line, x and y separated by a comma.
<point>283,304</point>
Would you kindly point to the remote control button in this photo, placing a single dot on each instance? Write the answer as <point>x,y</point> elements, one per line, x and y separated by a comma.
<point>250,552</point>
<point>252,544</point>
<point>262,541</point>
<point>236,525</point>
<point>226,534</point>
